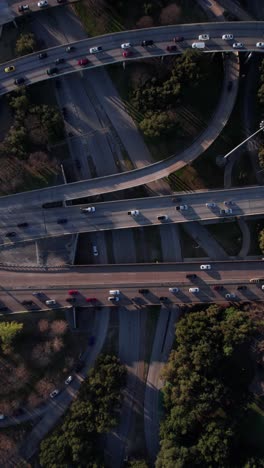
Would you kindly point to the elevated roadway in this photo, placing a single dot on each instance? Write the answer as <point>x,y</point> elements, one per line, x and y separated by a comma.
<point>246,201</point>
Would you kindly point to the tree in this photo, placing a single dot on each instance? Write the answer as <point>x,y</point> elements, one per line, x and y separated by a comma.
<point>261,240</point>
<point>261,152</point>
<point>25,44</point>
<point>170,14</point>
<point>16,141</point>
<point>215,443</point>
<point>155,124</point>
<point>59,327</point>
<point>8,332</point>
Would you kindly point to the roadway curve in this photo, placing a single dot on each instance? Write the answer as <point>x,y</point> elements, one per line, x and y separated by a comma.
<point>143,175</point>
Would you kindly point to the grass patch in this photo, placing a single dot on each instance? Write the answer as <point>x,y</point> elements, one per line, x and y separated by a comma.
<point>229,236</point>
<point>255,227</point>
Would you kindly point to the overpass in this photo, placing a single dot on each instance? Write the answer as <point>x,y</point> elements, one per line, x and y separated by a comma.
<point>246,201</point>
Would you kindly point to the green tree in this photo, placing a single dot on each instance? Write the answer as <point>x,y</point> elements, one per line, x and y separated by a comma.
<point>8,332</point>
<point>16,141</point>
<point>155,124</point>
<point>25,44</point>
<point>215,443</point>
<point>261,155</point>
<point>261,240</point>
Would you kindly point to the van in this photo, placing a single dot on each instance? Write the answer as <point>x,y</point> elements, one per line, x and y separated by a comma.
<point>194,290</point>
<point>198,45</point>
<point>114,292</point>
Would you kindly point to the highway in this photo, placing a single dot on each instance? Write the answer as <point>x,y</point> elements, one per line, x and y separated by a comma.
<point>33,6</point>
<point>35,70</point>
<point>246,201</point>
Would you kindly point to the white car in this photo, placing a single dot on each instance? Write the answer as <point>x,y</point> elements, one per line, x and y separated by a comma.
<point>126,45</point>
<point>95,50</point>
<point>181,207</point>
<point>50,302</point>
<point>2,416</point>
<point>238,45</point>
<point>43,3</point>
<point>68,380</point>
<point>227,37</point>
<point>205,267</point>
<point>113,298</point>
<point>262,287</point>
<point>133,212</point>
<point>210,205</point>
<point>174,290</point>
<point>230,296</point>
<point>260,44</point>
<point>114,292</point>
<point>194,290</point>
<point>204,37</point>
<point>95,251</point>
<point>89,209</point>
<point>54,393</point>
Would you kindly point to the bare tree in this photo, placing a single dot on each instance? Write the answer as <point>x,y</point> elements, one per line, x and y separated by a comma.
<point>7,449</point>
<point>44,387</point>
<point>59,327</point>
<point>43,325</point>
<point>57,344</point>
<point>171,14</point>
<point>145,22</point>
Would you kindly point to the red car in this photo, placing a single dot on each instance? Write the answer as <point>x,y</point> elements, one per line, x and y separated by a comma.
<point>127,53</point>
<point>218,287</point>
<point>83,61</point>
<point>91,299</point>
<point>178,38</point>
<point>72,292</point>
<point>171,48</point>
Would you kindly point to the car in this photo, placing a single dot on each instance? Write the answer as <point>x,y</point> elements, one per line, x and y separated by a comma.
<point>96,49</point>
<point>226,211</point>
<point>171,48</point>
<point>174,290</point>
<point>228,202</point>
<point>42,55</point>
<point>69,49</point>
<point>260,45</point>
<point>163,298</point>
<point>203,37</point>
<point>114,292</point>
<point>205,267</point>
<point>52,71</point>
<point>2,416</point>
<point>230,296</point>
<point>133,212</point>
<point>37,293</point>
<point>10,69</point>
<point>22,225</point>
<point>229,86</point>
<point>59,60</point>
<point>91,299</point>
<point>70,299</point>
<point>95,251</point>
<point>210,205</point>
<point>27,303</point>
<point>218,287</point>
<point>113,298</point>
<point>238,45</point>
<point>54,393</point>
<point>262,287</point>
<point>191,276</point>
<point>126,45</point>
<point>146,43</point>
<point>162,217</point>
<point>127,53</point>
<point>241,288</point>
<point>89,209</point>
<point>227,37</point>
<point>91,340</point>
<point>83,61</point>
<point>50,302</point>
<point>73,292</point>
<point>62,221</point>
<point>43,4</point>
<point>194,290</point>
<point>68,380</point>
<point>10,234</point>
<point>181,207</point>
<point>143,291</point>
<point>23,8</point>
<point>178,38</point>
<point>19,81</point>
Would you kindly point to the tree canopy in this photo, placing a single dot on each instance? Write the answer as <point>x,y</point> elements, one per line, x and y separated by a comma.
<point>8,332</point>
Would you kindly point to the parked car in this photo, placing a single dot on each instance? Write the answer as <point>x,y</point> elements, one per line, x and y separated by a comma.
<point>181,207</point>
<point>228,203</point>
<point>194,290</point>
<point>19,81</point>
<point>147,42</point>
<point>2,416</point>
<point>96,49</point>
<point>226,211</point>
<point>113,298</point>
<point>95,251</point>
<point>42,55</point>
<point>68,380</point>
<point>54,393</point>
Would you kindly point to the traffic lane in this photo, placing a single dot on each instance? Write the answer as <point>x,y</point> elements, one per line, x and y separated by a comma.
<point>138,274</point>
<point>13,300</point>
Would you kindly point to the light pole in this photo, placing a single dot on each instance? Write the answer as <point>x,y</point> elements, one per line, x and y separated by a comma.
<point>261,128</point>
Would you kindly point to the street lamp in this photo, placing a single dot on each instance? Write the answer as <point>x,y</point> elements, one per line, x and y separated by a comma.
<point>261,128</point>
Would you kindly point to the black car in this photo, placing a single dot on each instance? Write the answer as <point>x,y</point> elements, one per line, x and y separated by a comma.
<point>178,38</point>
<point>23,8</point>
<point>62,221</point>
<point>71,299</point>
<point>19,81</point>
<point>163,298</point>
<point>143,291</point>
<point>59,60</point>
<point>52,71</point>
<point>10,234</point>
<point>162,218</point>
<point>27,303</point>
<point>191,276</point>
<point>70,49</point>
<point>147,43</point>
<point>42,55</point>
<point>22,225</point>
<point>241,288</point>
